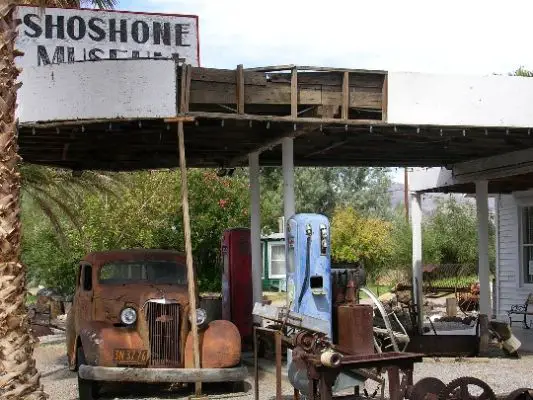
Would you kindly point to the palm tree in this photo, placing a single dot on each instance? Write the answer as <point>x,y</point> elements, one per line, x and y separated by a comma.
<point>57,192</point>
<point>19,378</point>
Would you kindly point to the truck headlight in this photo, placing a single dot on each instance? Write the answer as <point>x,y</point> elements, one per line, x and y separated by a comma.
<point>128,316</point>
<point>201,316</point>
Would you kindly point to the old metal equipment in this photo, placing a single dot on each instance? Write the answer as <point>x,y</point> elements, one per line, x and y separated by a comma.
<point>321,368</point>
<point>520,394</point>
<point>459,389</point>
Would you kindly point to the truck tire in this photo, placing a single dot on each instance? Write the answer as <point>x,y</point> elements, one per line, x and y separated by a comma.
<point>87,390</point>
<point>238,387</point>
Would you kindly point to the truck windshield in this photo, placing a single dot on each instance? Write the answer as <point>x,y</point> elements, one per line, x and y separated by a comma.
<point>169,272</point>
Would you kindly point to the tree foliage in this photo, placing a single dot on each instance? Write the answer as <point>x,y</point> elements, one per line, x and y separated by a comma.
<point>355,237</point>
<point>146,214</point>
<point>321,190</point>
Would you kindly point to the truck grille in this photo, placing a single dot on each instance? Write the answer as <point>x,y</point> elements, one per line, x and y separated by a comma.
<point>163,327</point>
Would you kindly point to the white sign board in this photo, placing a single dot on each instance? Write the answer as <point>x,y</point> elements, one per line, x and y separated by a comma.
<point>57,35</point>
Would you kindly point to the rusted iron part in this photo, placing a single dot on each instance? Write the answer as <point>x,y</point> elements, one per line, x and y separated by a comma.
<point>350,289</point>
<point>458,389</point>
<point>306,340</point>
<point>444,345</point>
<point>220,346</point>
<point>520,394</point>
<point>426,389</point>
<point>355,328</point>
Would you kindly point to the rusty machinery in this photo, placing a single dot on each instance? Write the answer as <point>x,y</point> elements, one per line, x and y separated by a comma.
<point>331,368</point>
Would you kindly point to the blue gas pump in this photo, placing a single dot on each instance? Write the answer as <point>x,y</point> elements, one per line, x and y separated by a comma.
<point>309,287</point>
<point>309,267</point>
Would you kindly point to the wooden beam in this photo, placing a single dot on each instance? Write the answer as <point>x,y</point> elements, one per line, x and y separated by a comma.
<point>345,95</point>
<point>240,89</point>
<point>203,92</point>
<point>285,119</point>
<point>385,98</point>
<point>289,67</point>
<point>267,145</point>
<point>294,93</point>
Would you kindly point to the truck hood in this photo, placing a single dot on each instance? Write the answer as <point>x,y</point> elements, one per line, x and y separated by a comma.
<point>109,300</point>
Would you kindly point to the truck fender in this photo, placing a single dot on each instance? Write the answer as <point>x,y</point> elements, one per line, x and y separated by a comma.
<point>220,346</point>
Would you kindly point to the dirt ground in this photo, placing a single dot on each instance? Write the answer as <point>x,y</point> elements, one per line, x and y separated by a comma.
<point>503,375</point>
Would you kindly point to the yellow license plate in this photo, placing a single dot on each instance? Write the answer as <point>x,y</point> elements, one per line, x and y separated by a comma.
<point>130,356</point>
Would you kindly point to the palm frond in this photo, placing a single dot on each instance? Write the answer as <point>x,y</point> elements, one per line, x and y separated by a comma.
<point>58,193</point>
<point>103,4</point>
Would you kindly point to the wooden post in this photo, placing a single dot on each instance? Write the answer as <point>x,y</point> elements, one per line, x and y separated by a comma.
<point>239,77</point>
<point>188,252</point>
<point>191,281</point>
<point>345,94</point>
<point>451,307</point>
<point>294,93</point>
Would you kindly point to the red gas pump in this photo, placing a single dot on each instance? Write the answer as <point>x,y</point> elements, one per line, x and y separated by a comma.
<point>237,293</point>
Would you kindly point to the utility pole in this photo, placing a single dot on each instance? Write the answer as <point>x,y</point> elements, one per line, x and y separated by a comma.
<point>406,192</point>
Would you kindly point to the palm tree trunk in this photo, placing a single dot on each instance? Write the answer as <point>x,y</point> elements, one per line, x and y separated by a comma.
<point>19,378</point>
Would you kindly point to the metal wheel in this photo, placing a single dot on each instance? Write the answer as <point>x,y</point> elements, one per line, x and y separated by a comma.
<point>427,389</point>
<point>461,389</point>
<point>521,394</point>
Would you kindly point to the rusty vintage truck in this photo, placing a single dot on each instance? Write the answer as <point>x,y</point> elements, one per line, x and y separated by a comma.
<point>130,323</point>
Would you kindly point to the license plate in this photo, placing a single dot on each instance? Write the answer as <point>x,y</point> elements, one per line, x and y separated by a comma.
<point>130,356</point>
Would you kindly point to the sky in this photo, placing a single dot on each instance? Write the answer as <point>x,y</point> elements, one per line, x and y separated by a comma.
<point>435,36</point>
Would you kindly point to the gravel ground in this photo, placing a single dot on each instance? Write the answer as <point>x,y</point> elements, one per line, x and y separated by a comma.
<point>503,375</point>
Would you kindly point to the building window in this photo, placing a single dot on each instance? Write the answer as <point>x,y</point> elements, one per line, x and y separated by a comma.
<point>527,244</point>
<point>277,261</point>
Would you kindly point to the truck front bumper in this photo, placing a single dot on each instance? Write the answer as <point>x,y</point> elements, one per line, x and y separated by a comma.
<point>162,375</point>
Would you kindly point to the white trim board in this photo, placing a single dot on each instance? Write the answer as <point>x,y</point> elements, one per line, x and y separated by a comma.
<point>459,100</point>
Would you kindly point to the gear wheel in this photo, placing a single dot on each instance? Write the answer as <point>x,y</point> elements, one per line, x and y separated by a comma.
<point>521,394</point>
<point>458,390</point>
<point>427,389</point>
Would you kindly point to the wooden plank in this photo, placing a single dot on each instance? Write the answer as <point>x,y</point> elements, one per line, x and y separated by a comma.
<point>330,79</point>
<point>384,98</point>
<point>287,119</point>
<point>345,95</point>
<point>294,93</point>
<point>289,67</point>
<point>227,76</point>
<point>275,94</point>
<point>240,89</point>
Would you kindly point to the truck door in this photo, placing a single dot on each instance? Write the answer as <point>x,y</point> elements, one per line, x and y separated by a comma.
<point>85,293</point>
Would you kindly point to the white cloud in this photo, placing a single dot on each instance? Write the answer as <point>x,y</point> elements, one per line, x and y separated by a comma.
<point>469,36</point>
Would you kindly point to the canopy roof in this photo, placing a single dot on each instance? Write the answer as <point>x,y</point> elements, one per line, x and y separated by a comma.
<point>122,115</point>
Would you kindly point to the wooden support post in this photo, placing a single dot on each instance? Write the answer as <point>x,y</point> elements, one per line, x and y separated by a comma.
<point>191,281</point>
<point>294,93</point>
<point>240,89</point>
<point>385,99</point>
<point>191,278</point>
<point>345,94</point>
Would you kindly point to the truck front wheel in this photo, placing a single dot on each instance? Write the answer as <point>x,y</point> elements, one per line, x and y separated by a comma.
<point>87,390</point>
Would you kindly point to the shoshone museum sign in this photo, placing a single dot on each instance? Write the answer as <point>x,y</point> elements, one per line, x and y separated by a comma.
<point>56,35</point>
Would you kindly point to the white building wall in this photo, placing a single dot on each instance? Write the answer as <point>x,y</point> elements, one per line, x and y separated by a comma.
<point>510,289</point>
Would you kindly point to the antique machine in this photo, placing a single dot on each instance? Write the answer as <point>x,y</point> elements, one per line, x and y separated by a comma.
<point>332,343</point>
